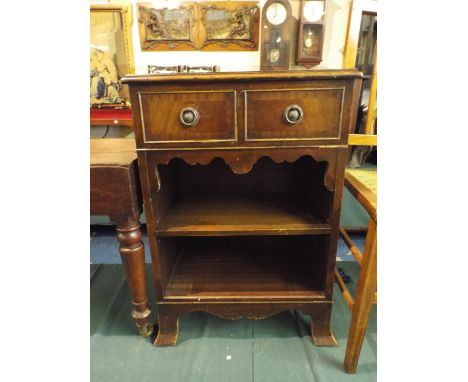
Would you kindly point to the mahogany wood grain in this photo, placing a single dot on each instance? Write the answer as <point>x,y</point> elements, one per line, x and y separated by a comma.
<point>239,228</point>
<point>218,215</point>
<point>322,116</point>
<point>242,162</point>
<point>321,326</point>
<point>338,104</point>
<point>251,268</point>
<point>318,311</point>
<point>270,199</point>
<point>161,115</point>
<point>288,75</point>
<point>132,252</point>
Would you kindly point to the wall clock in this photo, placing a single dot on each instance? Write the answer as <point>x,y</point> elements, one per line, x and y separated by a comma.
<point>310,33</point>
<point>276,35</point>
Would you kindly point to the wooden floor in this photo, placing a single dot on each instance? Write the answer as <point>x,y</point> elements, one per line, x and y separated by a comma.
<point>211,349</point>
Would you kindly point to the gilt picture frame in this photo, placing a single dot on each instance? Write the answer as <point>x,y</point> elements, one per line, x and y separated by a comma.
<point>188,26</point>
<point>163,28</point>
<point>111,54</point>
<point>230,25</point>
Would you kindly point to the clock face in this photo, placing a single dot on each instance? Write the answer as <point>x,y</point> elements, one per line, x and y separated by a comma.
<point>276,14</point>
<point>314,10</point>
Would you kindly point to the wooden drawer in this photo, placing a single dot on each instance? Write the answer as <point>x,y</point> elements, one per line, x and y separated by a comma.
<point>216,114</point>
<point>322,110</point>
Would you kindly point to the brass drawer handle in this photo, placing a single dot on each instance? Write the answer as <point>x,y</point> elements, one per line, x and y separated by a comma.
<point>188,116</point>
<point>293,114</point>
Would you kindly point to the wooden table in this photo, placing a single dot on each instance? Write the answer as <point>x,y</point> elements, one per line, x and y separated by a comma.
<point>115,192</point>
<point>242,178</point>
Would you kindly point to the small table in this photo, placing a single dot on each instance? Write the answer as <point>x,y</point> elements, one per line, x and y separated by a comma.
<point>115,192</point>
<point>242,178</point>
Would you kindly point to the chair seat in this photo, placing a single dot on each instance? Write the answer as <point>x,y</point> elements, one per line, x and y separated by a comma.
<point>362,183</point>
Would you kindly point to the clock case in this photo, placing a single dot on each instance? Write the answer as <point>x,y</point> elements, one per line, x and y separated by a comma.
<point>270,34</point>
<point>309,57</point>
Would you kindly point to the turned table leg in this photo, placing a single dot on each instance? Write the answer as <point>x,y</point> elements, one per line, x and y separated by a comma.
<point>366,288</point>
<point>132,252</point>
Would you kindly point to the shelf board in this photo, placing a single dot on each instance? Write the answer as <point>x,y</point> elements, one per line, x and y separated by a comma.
<point>231,216</point>
<point>245,269</point>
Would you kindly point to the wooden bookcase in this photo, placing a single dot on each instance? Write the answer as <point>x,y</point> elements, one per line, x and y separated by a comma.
<point>242,176</point>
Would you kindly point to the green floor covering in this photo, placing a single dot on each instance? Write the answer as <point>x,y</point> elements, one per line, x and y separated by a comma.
<point>211,349</point>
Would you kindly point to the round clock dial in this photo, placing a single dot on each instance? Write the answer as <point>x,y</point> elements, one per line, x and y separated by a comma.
<point>313,10</point>
<point>276,14</point>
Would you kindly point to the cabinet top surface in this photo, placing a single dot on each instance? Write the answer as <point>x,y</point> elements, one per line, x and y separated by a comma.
<point>242,76</point>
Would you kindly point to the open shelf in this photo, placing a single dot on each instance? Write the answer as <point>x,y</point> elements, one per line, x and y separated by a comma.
<point>247,268</point>
<point>239,215</point>
<point>271,199</point>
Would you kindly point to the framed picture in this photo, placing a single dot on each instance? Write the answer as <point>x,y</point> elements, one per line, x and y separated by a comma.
<point>231,25</point>
<point>185,26</point>
<point>167,28</point>
<point>111,54</point>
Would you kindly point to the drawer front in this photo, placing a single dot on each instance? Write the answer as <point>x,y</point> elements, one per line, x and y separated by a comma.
<point>320,114</point>
<point>214,111</point>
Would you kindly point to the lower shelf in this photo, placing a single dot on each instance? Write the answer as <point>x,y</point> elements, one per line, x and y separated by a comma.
<point>284,267</point>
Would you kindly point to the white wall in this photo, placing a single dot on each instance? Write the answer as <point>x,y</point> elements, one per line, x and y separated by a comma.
<point>336,23</point>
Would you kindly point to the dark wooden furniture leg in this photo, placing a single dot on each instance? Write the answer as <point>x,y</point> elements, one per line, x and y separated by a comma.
<point>320,326</point>
<point>168,330</point>
<point>366,288</point>
<point>132,252</point>
<point>115,192</point>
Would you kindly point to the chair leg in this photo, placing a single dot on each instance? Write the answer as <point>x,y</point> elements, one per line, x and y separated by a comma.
<point>366,288</point>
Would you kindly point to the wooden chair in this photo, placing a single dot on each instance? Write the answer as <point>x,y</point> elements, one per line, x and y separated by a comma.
<point>362,183</point>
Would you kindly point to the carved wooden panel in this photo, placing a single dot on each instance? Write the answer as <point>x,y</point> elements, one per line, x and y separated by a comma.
<point>214,26</point>
<point>229,25</point>
<point>243,164</point>
<point>167,29</point>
